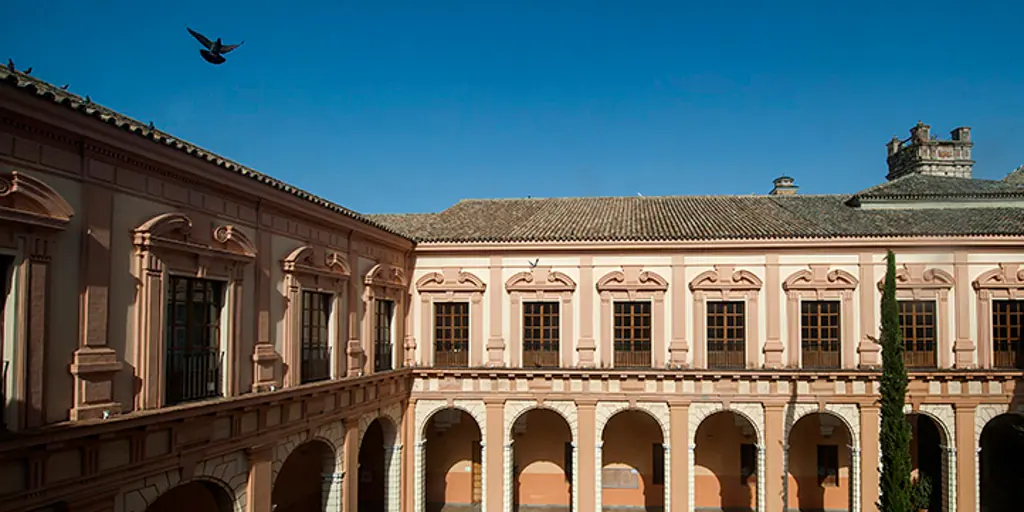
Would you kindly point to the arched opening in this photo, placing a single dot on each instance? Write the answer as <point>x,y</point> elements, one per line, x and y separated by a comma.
<point>194,496</point>
<point>725,464</point>
<point>1002,450</point>
<point>303,485</point>
<point>454,470</point>
<point>375,454</point>
<point>927,456</point>
<point>542,454</point>
<point>632,462</point>
<point>819,462</point>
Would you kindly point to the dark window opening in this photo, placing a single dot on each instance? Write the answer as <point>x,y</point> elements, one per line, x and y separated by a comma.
<point>540,334</point>
<point>193,359</point>
<point>632,335</point>
<point>917,324</point>
<point>748,462</point>
<point>828,465</point>
<point>726,334</point>
<point>316,348</point>
<point>382,343</point>
<point>819,333</point>
<point>658,464</point>
<point>451,335</point>
<point>6,279</point>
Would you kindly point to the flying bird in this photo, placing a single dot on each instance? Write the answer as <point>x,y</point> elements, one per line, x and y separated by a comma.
<point>152,126</point>
<point>65,87</point>
<point>215,50</point>
<point>28,71</point>
<point>533,264</point>
<point>10,64</point>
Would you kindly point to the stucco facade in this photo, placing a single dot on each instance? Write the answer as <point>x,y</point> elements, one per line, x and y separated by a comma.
<point>180,331</point>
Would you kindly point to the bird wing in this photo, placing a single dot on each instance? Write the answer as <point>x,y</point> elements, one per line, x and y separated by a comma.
<point>201,38</point>
<point>228,47</point>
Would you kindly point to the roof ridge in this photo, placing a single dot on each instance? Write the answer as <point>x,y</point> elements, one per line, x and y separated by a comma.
<point>671,196</point>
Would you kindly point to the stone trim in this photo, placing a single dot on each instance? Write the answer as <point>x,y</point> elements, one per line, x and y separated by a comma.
<point>913,282</point>
<point>451,285</point>
<point>604,412</point>
<point>425,409</point>
<point>230,472</point>
<point>725,283</point>
<point>849,414</point>
<point>945,418</point>
<point>166,245</point>
<point>983,414</point>
<point>1003,283</point>
<point>632,284</point>
<point>541,284</point>
<point>32,215</point>
<point>818,283</point>
<point>515,409</point>
<point>753,413</point>
<point>316,270</point>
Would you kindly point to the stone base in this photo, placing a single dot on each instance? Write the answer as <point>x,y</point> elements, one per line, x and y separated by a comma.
<point>963,354</point>
<point>265,361</point>
<point>773,354</point>
<point>870,354</point>
<point>94,369</point>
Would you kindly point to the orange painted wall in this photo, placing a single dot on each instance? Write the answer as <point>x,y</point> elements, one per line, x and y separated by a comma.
<point>628,437</point>
<point>540,457</point>
<point>450,461</point>
<point>716,468</point>
<point>804,490</point>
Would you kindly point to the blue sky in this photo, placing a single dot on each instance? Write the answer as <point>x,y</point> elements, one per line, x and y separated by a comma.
<point>409,106</point>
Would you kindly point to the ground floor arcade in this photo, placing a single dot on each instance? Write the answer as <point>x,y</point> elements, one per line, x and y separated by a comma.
<point>563,456</point>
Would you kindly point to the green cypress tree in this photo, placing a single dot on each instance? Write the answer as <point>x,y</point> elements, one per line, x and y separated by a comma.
<point>894,436</point>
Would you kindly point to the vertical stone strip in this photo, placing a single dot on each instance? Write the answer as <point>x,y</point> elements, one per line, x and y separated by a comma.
<point>261,478</point>
<point>492,451</point>
<point>575,475</point>
<point>690,494</point>
<point>586,346</point>
<point>775,474</point>
<point>678,349</point>
<point>420,489</point>
<point>507,466</point>
<point>867,350</point>
<point>496,296</point>
<point>963,346</point>
<point>855,481</point>
<point>760,477</point>
<point>350,498</point>
<point>393,471</point>
<point>866,485</point>
<point>773,347</point>
<point>668,474</point>
<point>331,491</point>
<point>679,434</point>
<point>586,462</point>
<point>354,302</point>
<point>598,484</point>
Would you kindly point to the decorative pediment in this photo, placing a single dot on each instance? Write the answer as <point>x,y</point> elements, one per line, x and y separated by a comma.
<point>386,275</point>
<point>725,278</point>
<point>174,231</point>
<point>1008,275</point>
<point>450,280</point>
<point>307,260</point>
<point>818,277</point>
<point>632,279</point>
<point>26,200</point>
<point>914,275</point>
<point>540,279</point>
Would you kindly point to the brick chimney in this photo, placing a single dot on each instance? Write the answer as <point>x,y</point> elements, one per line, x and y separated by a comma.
<point>922,153</point>
<point>784,186</point>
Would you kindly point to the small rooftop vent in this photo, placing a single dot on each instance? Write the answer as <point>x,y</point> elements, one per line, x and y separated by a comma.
<point>783,186</point>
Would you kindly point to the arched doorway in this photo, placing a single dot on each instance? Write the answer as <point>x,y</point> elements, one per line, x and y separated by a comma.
<point>999,464</point>
<point>454,470</point>
<point>818,464</point>
<point>632,462</point>
<point>927,456</point>
<point>725,463</point>
<point>194,496</point>
<point>375,464</point>
<point>302,484</point>
<point>542,462</point>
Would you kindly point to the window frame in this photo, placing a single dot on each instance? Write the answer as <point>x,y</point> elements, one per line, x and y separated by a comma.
<point>215,295</point>
<point>630,284</point>
<point>724,283</point>
<point>542,361</point>
<point>636,358</point>
<point>917,282</point>
<point>910,343</point>
<point>821,282</point>
<point>826,454</point>
<point>804,329</point>
<point>1014,317</point>
<point>380,341</point>
<point>539,284</point>
<point>467,339</point>
<point>725,356</point>
<point>314,269</point>
<point>450,285</point>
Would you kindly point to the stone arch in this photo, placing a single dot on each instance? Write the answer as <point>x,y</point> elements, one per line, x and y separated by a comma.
<point>753,413</point>
<point>515,409</point>
<point>425,410</point>
<point>657,410</point>
<point>331,464</point>
<point>391,413</point>
<point>304,259</point>
<point>386,275</point>
<point>328,436</point>
<point>942,415</point>
<point>390,421</point>
<point>944,419</point>
<point>983,415</point>
<point>849,416</point>
<point>145,492</point>
<point>25,199</point>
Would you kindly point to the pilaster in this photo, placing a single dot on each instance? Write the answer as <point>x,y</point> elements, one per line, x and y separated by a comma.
<point>493,450</point>
<point>350,485</point>
<point>679,432</point>
<point>967,496</point>
<point>261,479</point>
<point>868,350</point>
<point>589,455</point>
<point>870,458</point>
<point>775,473</point>
<point>495,342</point>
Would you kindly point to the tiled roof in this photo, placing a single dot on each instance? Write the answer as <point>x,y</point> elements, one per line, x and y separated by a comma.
<point>920,186</point>
<point>41,89</point>
<point>677,218</point>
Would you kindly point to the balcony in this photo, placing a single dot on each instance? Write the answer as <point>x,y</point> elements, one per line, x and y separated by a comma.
<point>193,374</point>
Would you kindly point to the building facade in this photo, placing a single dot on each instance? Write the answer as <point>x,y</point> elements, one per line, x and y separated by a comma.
<point>179,331</point>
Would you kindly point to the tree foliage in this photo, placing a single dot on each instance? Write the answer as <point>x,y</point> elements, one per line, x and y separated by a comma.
<point>894,437</point>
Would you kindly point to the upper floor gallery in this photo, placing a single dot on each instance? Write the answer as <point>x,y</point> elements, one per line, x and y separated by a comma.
<point>142,272</point>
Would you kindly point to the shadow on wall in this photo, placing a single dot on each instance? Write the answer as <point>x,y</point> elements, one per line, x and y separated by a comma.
<point>454,479</point>
<point>725,475</point>
<point>1002,450</point>
<point>542,455</point>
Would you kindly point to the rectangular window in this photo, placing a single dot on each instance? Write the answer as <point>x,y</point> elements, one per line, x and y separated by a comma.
<point>726,334</point>
<point>316,347</point>
<point>382,344</point>
<point>819,333</point>
<point>567,461</point>
<point>193,359</point>
<point>451,334</point>
<point>632,334</point>
<point>748,462</point>
<point>1007,320</point>
<point>828,465</point>
<point>658,464</point>
<point>917,324</point>
<point>540,334</point>
<point>6,278</point>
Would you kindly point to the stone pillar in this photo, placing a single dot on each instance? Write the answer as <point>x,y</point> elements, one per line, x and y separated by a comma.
<point>773,347</point>
<point>870,459</point>
<point>265,359</point>
<point>855,496</point>
<point>508,465</point>
<point>949,478</point>
<point>868,351</point>
<point>679,435</point>
<point>691,494</point>
<point>496,295</point>
<point>393,473</point>
<point>94,365</point>
<point>968,497</point>
<point>668,475</point>
<point>598,483</point>
<point>775,455</point>
<point>494,451</point>
<point>350,498</point>
<point>261,478</point>
<point>331,492</point>
<point>963,345</point>
<point>354,348</point>
<point>585,346</point>
<point>678,348</point>
<point>420,484</point>
<point>760,478</point>
<point>587,463</point>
